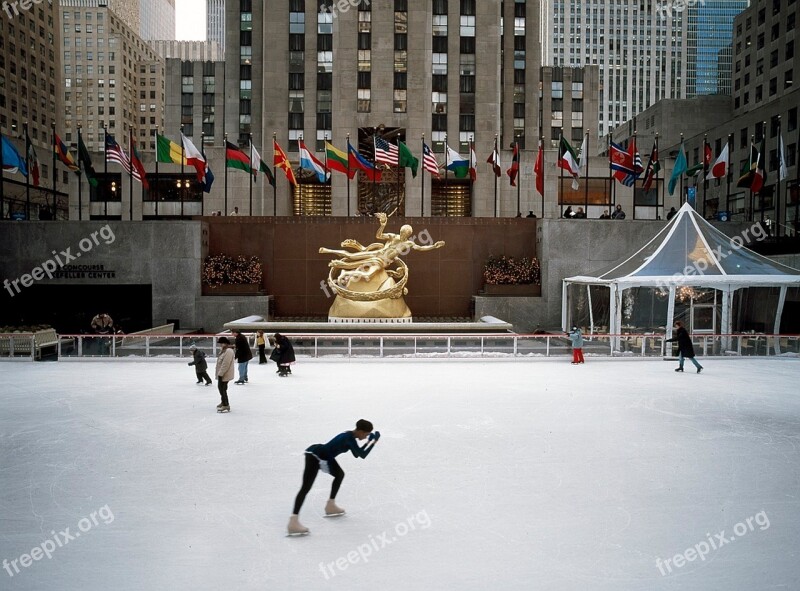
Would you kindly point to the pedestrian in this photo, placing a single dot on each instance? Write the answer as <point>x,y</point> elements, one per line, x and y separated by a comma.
<point>605,215</point>
<point>283,355</point>
<point>200,365</point>
<point>224,372</point>
<point>618,213</point>
<point>530,214</point>
<point>103,324</point>
<point>243,355</point>
<point>580,214</point>
<point>261,343</point>
<point>685,347</point>
<point>323,457</point>
<point>671,213</point>
<point>568,213</point>
<point>235,211</point>
<point>577,345</point>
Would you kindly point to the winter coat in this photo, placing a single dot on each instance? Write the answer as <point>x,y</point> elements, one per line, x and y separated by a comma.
<point>576,338</point>
<point>285,351</point>
<point>200,364</point>
<point>243,351</point>
<point>685,345</point>
<point>225,365</point>
<point>618,214</point>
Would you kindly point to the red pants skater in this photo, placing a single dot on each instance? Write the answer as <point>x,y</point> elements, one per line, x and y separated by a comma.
<point>577,356</point>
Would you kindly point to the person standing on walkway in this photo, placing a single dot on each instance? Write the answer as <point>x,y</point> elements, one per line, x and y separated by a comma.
<point>243,355</point>
<point>224,372</point>
<point>577,345</point>
<point>685,347</point>
<point>261,343</point>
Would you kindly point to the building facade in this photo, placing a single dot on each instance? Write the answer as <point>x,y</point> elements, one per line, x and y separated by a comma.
<point>31,97</point>
<point>215,22</point>
<point>196,51</point>
<point>157,19</point>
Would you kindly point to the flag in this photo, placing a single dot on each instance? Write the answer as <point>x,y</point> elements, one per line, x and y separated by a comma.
<point>255,161</point>
<point>357,161</point>
<point>235,158</point>
<point>494,160</point>
<point>627,165</point>
<point>88,168</point>
<point>310,162</point>
<point>33,163</point>
<point>653,166</point>
<point>456,164</point>
<point>337,160</point>
<point>429,161</point>
<point>514,170</point>
<point>385,152</point>
<point>753,173</point>
<point>677,170</point>
<point>538,170</point>
<point>138,167</point>
<point>194,158</point>
<point>63,154</point>
<point>209,176</point>
<point>720,167</point>
<point>168,151</point>
<point>782,172</point>
<point>708,155</point>
<point>282,161</point>
<point>115,153</point>
<point>268,172</point>
<point>12,161</point>
<point>583,163</point>
<point>473,163</point>
<point>694,170</point>
<point>568,160</point>
<point>407,159</point>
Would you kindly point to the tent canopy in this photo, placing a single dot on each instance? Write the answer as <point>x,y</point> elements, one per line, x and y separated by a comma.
<point>690,251</point>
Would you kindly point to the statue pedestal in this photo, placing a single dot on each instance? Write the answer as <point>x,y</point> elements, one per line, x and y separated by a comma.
<point>378,310</point>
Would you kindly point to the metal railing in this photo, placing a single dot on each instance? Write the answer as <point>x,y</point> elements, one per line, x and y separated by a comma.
<point>355,346</point>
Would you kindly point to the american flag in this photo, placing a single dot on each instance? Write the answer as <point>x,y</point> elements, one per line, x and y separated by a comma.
<point>429,160</point>
<point>115,153</point>
<point>386,152</point>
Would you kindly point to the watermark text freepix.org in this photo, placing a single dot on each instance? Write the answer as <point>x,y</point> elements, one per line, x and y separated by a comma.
<point>12,8</point>
<point>59,540</point>
<point>338,7</point>
<point>665,9</point>
<point>375,544</point>
<point>702,549</point>
<point>59,260</point>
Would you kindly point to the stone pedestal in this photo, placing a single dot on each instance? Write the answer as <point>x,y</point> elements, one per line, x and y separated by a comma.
<point>387,308</point>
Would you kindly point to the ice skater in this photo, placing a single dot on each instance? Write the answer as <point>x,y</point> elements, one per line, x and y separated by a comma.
<point>283,354</point>
<point>577,345</point>
<point>200,365</point>
<point>322,457</point>
<point>243,356</point>
<point>224,372</point>
<point>685,347</point>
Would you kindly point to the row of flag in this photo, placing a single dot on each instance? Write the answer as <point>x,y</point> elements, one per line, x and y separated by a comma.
<point>626,164</point>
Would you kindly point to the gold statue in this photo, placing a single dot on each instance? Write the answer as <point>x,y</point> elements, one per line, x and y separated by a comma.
<point>372,279</point>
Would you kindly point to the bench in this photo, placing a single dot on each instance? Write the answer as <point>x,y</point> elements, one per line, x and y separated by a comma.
<point>19,344</point>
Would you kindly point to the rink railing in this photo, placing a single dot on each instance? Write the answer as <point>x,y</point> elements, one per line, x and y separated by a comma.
<point>22,346</point>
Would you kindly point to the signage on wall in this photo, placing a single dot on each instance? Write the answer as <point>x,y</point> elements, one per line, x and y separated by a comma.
<point>84,272</point>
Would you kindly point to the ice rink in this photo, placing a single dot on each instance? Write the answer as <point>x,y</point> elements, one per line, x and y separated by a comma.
<point>490,474</point>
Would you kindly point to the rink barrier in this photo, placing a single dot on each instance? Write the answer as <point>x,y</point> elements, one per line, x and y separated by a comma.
<point>411,345</point>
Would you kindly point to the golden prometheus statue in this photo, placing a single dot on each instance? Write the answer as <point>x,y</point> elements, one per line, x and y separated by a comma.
<point>370,281</point>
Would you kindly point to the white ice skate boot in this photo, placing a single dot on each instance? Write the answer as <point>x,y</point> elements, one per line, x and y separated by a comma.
<point>295,527</point>
<point>331,510</point>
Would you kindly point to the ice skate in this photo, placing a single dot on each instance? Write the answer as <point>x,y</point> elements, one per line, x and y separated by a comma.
<point>699,369</point>
<point>679,369</point>
<point>238,382</point>
<point>332,510</point>
<point>296,528</point>
<point>223,408</point>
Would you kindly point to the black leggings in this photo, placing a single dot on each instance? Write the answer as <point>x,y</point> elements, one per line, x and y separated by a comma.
<point>310,474</point>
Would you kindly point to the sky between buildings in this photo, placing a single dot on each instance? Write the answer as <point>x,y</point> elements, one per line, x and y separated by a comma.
<point>190,20</point>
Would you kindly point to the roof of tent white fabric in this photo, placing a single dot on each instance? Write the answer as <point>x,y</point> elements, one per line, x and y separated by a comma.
<point>690,251</point>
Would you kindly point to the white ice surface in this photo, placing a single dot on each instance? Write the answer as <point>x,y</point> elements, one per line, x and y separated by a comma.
<point>515,475</point>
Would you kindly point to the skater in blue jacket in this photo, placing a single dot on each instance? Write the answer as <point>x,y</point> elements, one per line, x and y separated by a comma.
<point>323,457</point>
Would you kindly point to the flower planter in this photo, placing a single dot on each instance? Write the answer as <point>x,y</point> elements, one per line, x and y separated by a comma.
<point>523,290</point>
<point>233,289</point>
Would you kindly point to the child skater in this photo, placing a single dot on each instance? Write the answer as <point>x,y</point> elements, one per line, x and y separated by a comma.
<point>200,365</point>
<point>577,345</point>
<point>323,457</point>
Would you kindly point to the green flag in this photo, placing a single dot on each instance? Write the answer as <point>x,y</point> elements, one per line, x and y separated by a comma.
<point>88,169</point>
<point>407,159</point>
<point>169,151</point>
<point>695,170</point>
<point>679,168</point>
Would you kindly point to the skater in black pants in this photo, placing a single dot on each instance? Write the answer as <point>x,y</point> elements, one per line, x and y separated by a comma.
<point>685,347</point>
<point>200,365</point>
<point>322,457</point>
<point>261,343</point>
<point>283,355</point>
<point>224,372</point>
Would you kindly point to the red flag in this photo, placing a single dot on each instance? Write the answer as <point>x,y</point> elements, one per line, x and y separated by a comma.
<point>708,156</point>
<point>512,172</point>
<point>137,164</point>
<point>282,161</point>
<point>720,168</point>
<point>538,168</point>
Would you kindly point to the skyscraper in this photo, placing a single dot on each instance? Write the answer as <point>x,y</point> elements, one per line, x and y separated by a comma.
<point>709,54</point>
<point>215,22</point>
<point>157,19</point>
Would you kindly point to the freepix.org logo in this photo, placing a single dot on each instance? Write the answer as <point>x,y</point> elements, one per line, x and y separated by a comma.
<point>666,9</point>
<point>12,9</point>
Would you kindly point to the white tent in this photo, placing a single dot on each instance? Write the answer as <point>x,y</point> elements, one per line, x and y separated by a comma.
<point>687,260</point>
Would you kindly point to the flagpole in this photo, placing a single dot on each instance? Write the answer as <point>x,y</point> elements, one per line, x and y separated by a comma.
<point>2,182</point>
<point>105,168</point>
<point>778,185</point>
<point>422,201</point>
<point>130,173</point>
<point>752,196</point>
<point>541,147</point>
<point>612,185</point>
<point>55,172</point>
<point>705,172</point>
<point>28,178</point>
<point>681,179</point>
<point>586,178</point>
<point>471,182</point>
<point>728,174</point>
<point>275,186</point>
<point>80,179</point>
<point>762,159</point>
<point>348,175</point>
<point>661,200</point>
<point>155,195</point>
<point>495,173</point>
<point>225,197</point>
<point>251,175</point>
<point>327,172</point>
<point>203,154</point>
<point>561,172</point>
<point>519,179</point>
<point>446,160</point>
<point>397,208</point>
